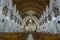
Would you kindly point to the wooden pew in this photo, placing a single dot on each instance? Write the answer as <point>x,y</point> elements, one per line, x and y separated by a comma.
<point>52,37</point>
<point>24,35</point>
<point>13,36</point>
<point>46,36</point>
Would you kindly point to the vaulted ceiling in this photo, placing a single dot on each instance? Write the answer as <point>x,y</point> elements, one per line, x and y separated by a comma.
<point>36,5</point>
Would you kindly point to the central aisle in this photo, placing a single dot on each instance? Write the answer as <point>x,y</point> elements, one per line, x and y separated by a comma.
<point>30,37</point>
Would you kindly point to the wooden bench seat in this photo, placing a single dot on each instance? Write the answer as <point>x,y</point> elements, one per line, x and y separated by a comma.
<point>23,36</point>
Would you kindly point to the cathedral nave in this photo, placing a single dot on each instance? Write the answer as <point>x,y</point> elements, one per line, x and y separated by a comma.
<point>29,19</point>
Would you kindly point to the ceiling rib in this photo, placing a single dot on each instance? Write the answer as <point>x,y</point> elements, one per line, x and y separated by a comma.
<point>36,5</point>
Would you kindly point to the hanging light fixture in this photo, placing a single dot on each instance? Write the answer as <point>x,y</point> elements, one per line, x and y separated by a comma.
<point>48,21</point>
<point>30,20</point>
<point>7,17</point>
<point>12,20</point>
<point>16,22</point>
<point>22,26</point>
<point>53,18</point>
<point>44,23</point>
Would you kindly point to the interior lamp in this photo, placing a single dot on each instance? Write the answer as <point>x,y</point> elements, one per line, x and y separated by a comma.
<point>7,17</point>
<point>22,27</point>
<point>16,22</point>
<point>12,20</point>
<point>48,21</point>
<point>53,18</point>
<point>30,20</point>
<point>44,23</point>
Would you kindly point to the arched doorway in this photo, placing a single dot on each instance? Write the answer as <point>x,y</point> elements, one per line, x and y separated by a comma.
<point>30,23</point>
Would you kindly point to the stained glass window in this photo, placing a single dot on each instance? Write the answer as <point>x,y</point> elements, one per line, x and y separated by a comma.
<point>55,9</point>
<point>15,18</point>
<point>49,17</point>
<point>3,20</point>
<point>5,10</point>
<point>58,22</point>
<point>11,16</point>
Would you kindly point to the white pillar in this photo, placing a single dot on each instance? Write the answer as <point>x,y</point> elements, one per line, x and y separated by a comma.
<point>47,11</point>
<point>51,5</point>
<point>54,27</point>
<point>14,10</point>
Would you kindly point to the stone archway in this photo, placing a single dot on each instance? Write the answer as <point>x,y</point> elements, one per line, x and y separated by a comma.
<point>30,17</point>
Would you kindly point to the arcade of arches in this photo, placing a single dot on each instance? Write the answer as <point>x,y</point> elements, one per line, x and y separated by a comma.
<point>29,19</point>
